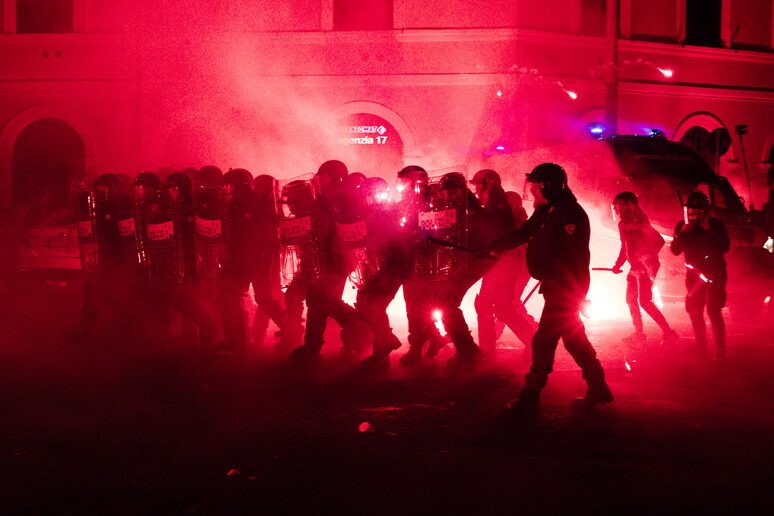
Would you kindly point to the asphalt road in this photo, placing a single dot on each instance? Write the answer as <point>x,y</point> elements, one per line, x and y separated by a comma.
<point>138,429</point>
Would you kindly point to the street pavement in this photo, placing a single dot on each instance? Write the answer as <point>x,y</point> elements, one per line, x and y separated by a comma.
<point>135,428</point>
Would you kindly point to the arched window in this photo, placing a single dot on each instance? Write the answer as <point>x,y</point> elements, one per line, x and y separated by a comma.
<point>47,157</point>
<point>710,145</point>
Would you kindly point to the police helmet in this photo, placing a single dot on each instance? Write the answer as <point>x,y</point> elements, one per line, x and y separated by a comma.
<point>240,179</point>
<point>376,185</point>
<point>209,175</point>
<point>145,185</point>
<point>452,181</point>
<point>147,180</point>
<point>487,177</point>
<point>551,176</point>
<point>108,180</point>
<point>333,171</point>
<point>263,185</point>
<point>179,185</point>
<point>697,200</point>
<point>412,172</point>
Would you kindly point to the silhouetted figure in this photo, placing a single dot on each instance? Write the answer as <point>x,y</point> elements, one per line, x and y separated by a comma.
<point>704,241</point>
<point>266,276</point>
<point>240,260</point>
<point>324,288</point>
<point>444,273</point>
<point>184,294</point>
<point>557,235</point>
<point>366,233</point>
<point>412,187</point>
<point>640,245</point>
<point>496,297</point>
<point>109,279</point>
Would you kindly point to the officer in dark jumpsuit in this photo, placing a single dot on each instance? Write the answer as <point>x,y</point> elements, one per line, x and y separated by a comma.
<point>184,295</point>
<point>239,262</point>
<point>323,294</point>
<point>421,328</point>
<point>557,235</point>
<point>109,281</point>
<point>390,241</point>
<point>704,241</point>
<point>266,278</point>
<point>445,294</point>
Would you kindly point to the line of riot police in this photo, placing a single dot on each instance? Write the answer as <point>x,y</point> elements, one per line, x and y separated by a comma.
<point>335,224</point>
<point>198,239</point>
<point>194,241</point>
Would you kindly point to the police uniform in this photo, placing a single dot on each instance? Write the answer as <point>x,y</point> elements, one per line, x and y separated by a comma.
<point>705,278</point>
<point>557,236</point>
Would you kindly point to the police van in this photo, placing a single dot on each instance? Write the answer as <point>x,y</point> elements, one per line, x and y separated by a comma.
<point>662,174</point>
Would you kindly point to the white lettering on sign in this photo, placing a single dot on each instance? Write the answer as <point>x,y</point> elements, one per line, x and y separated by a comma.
<point>365,140</point>
<point>356,232</point>
<point>443,219</point>
<point>365,129</point>
<point>208,228</point>
<point>163,231</point>
<point>295,228</point>
<point>84,229</point>
<point>126,227</point>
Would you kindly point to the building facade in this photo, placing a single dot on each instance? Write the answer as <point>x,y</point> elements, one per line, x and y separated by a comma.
<point>278,87</point>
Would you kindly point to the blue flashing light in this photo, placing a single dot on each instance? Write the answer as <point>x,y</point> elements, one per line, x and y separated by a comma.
<point>500,148</point>
<point>596,130</point>
<point>657,133</point>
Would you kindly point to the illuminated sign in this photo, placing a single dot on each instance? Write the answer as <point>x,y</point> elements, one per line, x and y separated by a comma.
<point>373,144</point>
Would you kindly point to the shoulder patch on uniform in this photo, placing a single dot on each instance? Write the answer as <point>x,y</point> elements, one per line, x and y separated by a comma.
<point>570,228</point>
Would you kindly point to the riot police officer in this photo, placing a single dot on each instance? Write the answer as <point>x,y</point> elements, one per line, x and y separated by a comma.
<point>412,186</point>
<point>266,275</point>
<point>496,296</point>
<point>444,273</point>
<point>108,277</point>
<point>185,296</point>
<point>325,290</point>
<point>239,261</point>
<point>382,269</point>
<point>704,240</point>
<point>557,234</point>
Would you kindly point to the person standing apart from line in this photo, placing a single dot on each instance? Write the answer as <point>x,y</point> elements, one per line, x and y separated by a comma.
<point>640,244</point>
<point>557,237</point>
<point>704,240</point>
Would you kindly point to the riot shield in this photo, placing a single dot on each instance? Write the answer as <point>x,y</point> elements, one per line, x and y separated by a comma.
<point>442,217</point>
<point>300,248</point>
